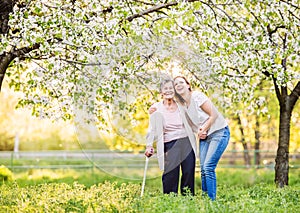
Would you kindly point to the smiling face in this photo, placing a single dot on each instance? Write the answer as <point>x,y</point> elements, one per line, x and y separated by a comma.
<point>181,85</point>
<point>167,90</point>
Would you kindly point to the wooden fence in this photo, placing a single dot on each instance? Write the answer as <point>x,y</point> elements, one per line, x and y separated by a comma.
<point>89,159</point>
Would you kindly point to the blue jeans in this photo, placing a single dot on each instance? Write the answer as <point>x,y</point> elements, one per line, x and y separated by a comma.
<point>211,150</point>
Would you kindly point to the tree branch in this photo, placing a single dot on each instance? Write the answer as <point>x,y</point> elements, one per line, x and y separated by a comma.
<point>277,90</point>
<point>7,58</point>
<point>228,16</point>
<point>292,5</point>
<point>155,8</point>
<point>296,17</point>
<point>146,3</point>
<point>151,10</point>
<point>294,96</point>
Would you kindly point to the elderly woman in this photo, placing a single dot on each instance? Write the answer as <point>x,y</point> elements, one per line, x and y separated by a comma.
<point>176,144</point>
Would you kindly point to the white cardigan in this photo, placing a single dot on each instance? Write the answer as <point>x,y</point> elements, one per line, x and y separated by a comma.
<point>156,128</point>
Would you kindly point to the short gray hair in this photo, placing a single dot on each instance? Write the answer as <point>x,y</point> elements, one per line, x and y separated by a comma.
<point>164,81</point>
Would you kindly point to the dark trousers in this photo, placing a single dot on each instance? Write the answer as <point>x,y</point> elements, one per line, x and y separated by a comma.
<point>179,153</point>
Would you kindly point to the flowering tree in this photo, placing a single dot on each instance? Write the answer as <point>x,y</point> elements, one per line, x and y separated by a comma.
<point>73,55</point>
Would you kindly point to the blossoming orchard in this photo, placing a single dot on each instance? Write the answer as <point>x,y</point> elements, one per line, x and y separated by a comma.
<point>67,56</point>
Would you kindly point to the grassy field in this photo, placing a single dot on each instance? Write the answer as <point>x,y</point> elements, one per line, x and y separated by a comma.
<point>239,190</point>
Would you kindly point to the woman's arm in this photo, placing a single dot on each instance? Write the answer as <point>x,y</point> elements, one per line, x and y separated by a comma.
<point>155,122</point>
<point>211,111</point>
<point>150,138</point>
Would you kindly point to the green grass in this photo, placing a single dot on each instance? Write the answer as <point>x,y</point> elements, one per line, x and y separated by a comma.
<point>239,190</point>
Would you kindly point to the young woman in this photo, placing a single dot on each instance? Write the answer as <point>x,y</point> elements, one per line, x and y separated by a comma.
<point>176,144</point>
<point>212,130</point>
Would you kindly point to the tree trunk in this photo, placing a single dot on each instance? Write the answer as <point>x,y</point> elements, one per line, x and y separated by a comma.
<point>257,142</point>
<point>233,153</point>
<point>4,62</point>
<point>282,157</point>
<point>287,103</point>
<point>6,7</point>
<point>244,143</point>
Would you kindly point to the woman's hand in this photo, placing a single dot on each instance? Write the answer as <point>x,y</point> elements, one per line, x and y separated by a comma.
<point>202,134</point>
<point>152,109</point>
<point>149,151</point>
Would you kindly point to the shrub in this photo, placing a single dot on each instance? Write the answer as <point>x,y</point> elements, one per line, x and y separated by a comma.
<point>5,174</point>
